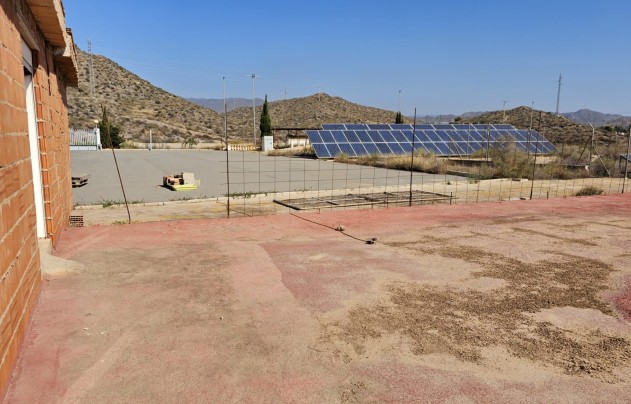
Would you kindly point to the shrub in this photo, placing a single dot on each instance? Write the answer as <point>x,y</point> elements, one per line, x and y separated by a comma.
<point>589,190</point>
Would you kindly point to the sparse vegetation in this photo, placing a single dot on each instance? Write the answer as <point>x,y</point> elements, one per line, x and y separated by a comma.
<point>425,162</point>
<point>119,222</point>
<point>189,142</point>
<point>557,129</point>
<point>306,151</point>
<point>247,195</point>
<point>138,106</point>
<point>589,191</point>
<point>106,203</point>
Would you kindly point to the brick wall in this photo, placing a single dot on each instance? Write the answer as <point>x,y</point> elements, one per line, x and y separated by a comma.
<point>20,273</point>
<point>54,145</point>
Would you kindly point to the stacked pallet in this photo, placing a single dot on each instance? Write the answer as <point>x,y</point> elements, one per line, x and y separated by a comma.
<point>180,182</point>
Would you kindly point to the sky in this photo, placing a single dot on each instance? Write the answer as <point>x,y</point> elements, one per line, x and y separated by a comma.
<point>439,57</point>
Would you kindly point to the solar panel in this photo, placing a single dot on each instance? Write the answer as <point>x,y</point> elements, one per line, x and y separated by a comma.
<point>352,136</point>
<point>332,126</point>
<point>327,137</point>
<point>400,126</point>
<point>387,136</point>
<point>378,126</point>
<point>347,149</point>
<point>356,126</point>
<point>440,139</point>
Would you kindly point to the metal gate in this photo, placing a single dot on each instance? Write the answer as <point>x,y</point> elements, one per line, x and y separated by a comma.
<point>85,139</point>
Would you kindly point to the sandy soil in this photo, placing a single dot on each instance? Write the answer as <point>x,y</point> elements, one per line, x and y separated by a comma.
<point>524,301</point>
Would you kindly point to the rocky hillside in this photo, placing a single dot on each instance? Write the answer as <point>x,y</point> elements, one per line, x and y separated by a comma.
<point>136,106</point>
<point>557,129</point>
<point>216,104</point>
<point>308,112</point>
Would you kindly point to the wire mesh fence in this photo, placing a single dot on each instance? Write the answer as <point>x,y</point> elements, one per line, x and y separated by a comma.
<point>257,184</point>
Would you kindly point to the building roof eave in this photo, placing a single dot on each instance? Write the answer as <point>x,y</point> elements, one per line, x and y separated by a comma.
<point>51,21</point>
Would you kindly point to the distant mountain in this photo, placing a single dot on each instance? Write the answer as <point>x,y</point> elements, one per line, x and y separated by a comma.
<point>587,116</point>
<point>557,129</point>
<point>448,117</point>
<point>216,104</point>
<point>623,122</point>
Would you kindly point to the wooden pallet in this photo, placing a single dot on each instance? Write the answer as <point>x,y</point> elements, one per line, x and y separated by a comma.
<point>80,180</point>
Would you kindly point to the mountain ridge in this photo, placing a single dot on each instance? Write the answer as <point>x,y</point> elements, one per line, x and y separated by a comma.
<point>137,106</point>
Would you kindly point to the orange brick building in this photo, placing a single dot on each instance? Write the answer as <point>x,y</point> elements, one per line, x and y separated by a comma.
<point>37,62</point>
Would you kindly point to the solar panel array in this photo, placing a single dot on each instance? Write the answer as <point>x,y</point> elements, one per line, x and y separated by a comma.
<point>356,140</point>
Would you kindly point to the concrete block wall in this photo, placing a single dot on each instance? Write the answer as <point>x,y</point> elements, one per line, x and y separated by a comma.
<point>20,271</point>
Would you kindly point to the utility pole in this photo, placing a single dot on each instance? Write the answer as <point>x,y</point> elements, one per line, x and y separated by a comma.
<point>225,112</point>
<point>399,107</point>
<point>504,110</point>
<point>90,69</point>
<point>534,162</point>
<point>412,157</point>
<point>626,161</point>
<point>559,94</point>
<point>253,112</point>
<point>225,128</point>
<point>591,147</point>
<point>532,110</point>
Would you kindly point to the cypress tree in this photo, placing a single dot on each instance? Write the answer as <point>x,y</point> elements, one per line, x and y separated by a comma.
<point>110,133</point>
<point>398,118</point>
<point>266,122</point>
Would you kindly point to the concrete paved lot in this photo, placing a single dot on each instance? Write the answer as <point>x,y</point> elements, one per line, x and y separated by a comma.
<point>142,173</point>
<point>527,301</point>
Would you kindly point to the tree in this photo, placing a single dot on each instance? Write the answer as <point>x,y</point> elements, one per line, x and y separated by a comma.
<point>398,118</point>
<point>266,122</point>
<point>110,133</point>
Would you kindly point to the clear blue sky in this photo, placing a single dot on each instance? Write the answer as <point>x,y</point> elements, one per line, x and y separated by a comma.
<point>444,56</point>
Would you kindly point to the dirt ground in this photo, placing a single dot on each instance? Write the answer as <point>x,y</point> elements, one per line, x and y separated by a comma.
<point>525,301</point>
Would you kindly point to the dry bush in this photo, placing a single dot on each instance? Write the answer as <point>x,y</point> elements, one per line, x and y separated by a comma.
<point>588,191</point>
<point>423,162</point>
<point>306,151</point>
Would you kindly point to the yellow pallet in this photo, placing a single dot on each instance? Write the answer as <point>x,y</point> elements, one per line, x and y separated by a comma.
<point>182,187</point>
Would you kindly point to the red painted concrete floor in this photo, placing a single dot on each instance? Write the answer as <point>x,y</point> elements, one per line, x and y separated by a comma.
<point>522,301</point>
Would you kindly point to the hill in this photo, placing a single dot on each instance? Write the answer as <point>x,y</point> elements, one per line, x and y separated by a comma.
<point>557,129</point>
<point>216,104</point>
<point>310,112</point>
<point>136,106</point>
